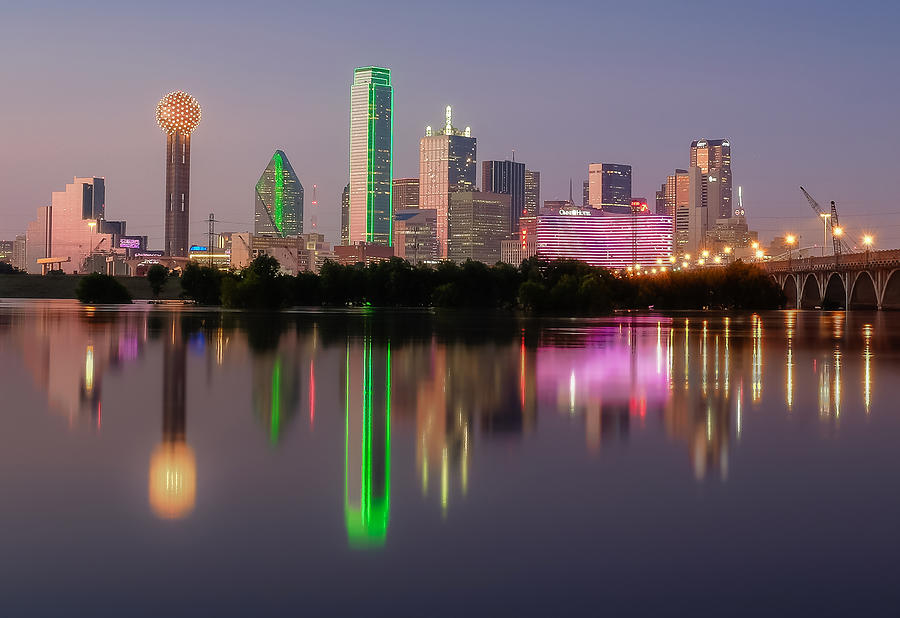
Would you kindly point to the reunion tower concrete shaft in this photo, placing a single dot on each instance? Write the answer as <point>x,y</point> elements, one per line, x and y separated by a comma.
<point>178,114</point>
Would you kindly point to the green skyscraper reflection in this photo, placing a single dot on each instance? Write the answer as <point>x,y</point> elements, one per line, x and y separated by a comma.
<point>367,442</point>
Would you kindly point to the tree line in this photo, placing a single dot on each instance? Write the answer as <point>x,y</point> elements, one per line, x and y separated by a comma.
<point>536,286</point>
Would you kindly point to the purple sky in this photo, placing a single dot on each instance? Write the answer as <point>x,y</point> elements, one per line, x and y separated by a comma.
<point>806,91</point>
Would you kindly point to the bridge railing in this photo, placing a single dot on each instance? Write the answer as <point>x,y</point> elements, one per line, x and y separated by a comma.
<point>848,261</point>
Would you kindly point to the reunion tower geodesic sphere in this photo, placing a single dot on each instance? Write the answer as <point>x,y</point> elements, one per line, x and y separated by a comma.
<point>178,111</point>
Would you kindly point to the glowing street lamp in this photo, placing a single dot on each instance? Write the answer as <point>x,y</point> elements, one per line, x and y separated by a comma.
<point>759,254</point>
<point>717,259</point>
<point>790,239</point>
<point>705,253</point>
<point>867,241</point>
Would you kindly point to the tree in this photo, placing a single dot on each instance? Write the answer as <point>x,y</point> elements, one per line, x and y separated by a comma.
<point>156,277</point>
<point>101,289</point>
<point>202,284</point>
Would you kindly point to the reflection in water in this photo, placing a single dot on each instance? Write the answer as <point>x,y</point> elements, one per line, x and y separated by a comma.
<point>455,393</point>
<point>367,442</point>
<point>867,366</point>
<point>173,468</point>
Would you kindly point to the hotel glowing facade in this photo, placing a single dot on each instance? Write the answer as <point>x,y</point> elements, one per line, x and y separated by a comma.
<point>371,162</point>
<point>601,239</point>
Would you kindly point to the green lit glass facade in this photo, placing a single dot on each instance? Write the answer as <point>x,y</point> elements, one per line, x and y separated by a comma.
<point>371,156</point>
<point>279,199</point>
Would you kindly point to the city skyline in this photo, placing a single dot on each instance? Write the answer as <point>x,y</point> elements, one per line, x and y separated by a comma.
<point>768,103</point>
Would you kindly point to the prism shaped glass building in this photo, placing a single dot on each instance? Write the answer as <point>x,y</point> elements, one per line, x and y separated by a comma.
<point>371,161</point>
<point>279,200</point>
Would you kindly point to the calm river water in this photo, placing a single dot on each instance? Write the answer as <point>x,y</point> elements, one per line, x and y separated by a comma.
<point>171,461</point>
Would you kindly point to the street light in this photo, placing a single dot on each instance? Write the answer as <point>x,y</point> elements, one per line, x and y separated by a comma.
<point>759,254</point>
<point>92,225</point>
<point>825,217</point>
<point>705,253</point>
<point>790,239</point>
<point>867,241</point>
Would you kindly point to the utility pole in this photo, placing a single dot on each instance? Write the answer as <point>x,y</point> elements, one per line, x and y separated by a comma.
<point>212,233</point>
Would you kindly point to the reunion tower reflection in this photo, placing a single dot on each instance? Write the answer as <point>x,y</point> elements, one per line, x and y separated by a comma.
<point>173,468</point>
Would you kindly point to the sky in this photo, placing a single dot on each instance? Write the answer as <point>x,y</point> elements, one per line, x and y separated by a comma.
<point>807,92</point>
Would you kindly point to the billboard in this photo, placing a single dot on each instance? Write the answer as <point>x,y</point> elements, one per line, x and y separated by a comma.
<point>131,242</point>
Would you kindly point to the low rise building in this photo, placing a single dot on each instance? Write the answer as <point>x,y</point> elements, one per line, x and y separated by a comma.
<point>362,253</point>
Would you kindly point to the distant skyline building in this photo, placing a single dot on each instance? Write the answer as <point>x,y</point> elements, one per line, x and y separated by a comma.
<point>405,193</point>
<point>678,201</point>
<point>279,199</point>
<point>713,157</point>
<point>506,178</point>
<point>532,193</point>
<point>610,187</point>
<point>586,193</point>
<point>371,157</point>
<point>178,114</point>
<point>479,223</point>
<point>415,234</point>
<point>447,160</point>
<point>345,215</point>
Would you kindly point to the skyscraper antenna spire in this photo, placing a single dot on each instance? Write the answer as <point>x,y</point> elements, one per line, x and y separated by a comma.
<point>571,195</point>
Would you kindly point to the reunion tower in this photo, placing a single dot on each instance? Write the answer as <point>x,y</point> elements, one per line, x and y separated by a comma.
<point>178,114</point>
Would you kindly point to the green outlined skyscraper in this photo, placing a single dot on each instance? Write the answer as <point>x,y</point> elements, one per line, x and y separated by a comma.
<point>371,156</point>
<point>279,199</point>
<point>367,442</point>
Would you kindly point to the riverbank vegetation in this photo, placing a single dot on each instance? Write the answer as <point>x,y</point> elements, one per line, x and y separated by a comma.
<point>97,289</point>
<point>559,287</point>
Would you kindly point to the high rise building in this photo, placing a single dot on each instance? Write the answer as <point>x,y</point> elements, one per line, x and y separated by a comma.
<point>713,157</point>
<point>506,178</point>
<point>415,237</point>
<point>279,199</point>
<point>371,159</point>
<point>677,204</point>
<point>405,193</point>
<point>479,223</point>
<point>178,114</point>
<point>447,159</point>
<point>586,193</point>
<point>345,215</point>
<point>532,193</point>
<point>610,187</point>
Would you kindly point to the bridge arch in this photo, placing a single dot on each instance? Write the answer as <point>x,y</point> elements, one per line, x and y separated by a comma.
<point>890,295</point>
<point>863,294</point>
<point>790,291</point>
<point>810,297</point>
<point>835,292</point>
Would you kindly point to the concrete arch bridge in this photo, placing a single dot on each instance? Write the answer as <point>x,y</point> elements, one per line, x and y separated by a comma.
<point>869,280</point>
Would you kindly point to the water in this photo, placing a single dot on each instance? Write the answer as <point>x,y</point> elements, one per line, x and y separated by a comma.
<point>180,462</point>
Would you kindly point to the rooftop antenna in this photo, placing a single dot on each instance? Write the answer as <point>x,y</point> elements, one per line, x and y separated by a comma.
<point>314,219</point>
<point>514,155</point>
<point>571,196</point>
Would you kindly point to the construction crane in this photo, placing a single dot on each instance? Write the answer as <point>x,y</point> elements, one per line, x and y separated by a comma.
<point>839,244</point>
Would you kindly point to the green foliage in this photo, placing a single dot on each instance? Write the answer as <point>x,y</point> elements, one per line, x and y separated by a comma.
<point>202,284</point>
<point>563,287</point>
<point>97,289</point>
<point>7,269</point>
<point>156,277</point>
<point>259,286</point>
